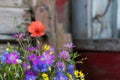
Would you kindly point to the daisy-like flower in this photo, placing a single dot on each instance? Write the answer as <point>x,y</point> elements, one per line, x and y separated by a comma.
<point>12,58</point>
<point>47,58</point>
<point>36,29</point>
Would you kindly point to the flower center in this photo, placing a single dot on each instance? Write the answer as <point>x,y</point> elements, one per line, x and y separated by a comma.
<point>37,30</point>
<point>12,57</point>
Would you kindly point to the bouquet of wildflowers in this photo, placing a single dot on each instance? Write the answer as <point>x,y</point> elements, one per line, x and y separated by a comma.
<point>40,62</point>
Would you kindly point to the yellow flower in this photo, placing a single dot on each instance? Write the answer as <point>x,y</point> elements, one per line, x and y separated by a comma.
<point>70,76</point>
<point>76,73</point>
<point>51,53</point>
<point>45,76</point>
<point>79,74</point>
<point>46,47</point>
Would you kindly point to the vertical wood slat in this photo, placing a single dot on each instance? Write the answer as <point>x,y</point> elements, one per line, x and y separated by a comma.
<point>62,37</point>
<point>63,13</point>
<point>114,19</point>
<point>45,12</point>
<point>89,18</point>
<point>79,18</point>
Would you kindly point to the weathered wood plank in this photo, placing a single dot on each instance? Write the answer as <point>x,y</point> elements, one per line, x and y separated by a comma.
<point>98,45</point>
<point>62,37</point>
<point>102,28</point>
<point>63,13</point>
<point>7,19</point>
<point>6,37</point>
<point>2,48</point>
<point>79,19</point>
<point>13,3</point>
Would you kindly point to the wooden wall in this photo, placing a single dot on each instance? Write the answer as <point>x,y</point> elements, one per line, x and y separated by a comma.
<point>14,17</point>
<point>17,14</point>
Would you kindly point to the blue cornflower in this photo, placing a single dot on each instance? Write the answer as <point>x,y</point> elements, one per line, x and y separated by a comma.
<point>61,76</point>
<point>41,67</point>
<point>3,58</point>
<point>71,69</point>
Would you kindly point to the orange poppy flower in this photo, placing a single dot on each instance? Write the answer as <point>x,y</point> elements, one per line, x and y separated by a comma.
<point>36,29</point>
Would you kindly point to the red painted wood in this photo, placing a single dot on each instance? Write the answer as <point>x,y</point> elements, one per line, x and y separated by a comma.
<point>60,2</point>
<point>60,9</point>
<point>102,65</point>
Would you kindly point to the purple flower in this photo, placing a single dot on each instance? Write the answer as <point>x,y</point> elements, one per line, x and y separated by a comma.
<point>60,66</point>
<point>47,58</point>
<point>26,66</point>
<point>64,55</point>
<point>16,35</point>
<point>31,56</point>
<point>20,36</point>
<point>30,75</point>
<point>32,48</point>
<point>69,45</point>
<point>35,59</point>
<point>12,58</point>
<point>4,56</point>
<point>52,49</point>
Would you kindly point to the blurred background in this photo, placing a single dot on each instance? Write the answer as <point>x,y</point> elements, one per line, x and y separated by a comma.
<point>92,25</point>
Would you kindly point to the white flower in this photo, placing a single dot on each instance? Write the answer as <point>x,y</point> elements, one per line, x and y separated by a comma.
<point>19,61</point>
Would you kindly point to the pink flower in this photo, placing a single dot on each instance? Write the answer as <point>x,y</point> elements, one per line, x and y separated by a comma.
<point>69,45</point>
<point>12,58</point>
<point>64,55</point>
